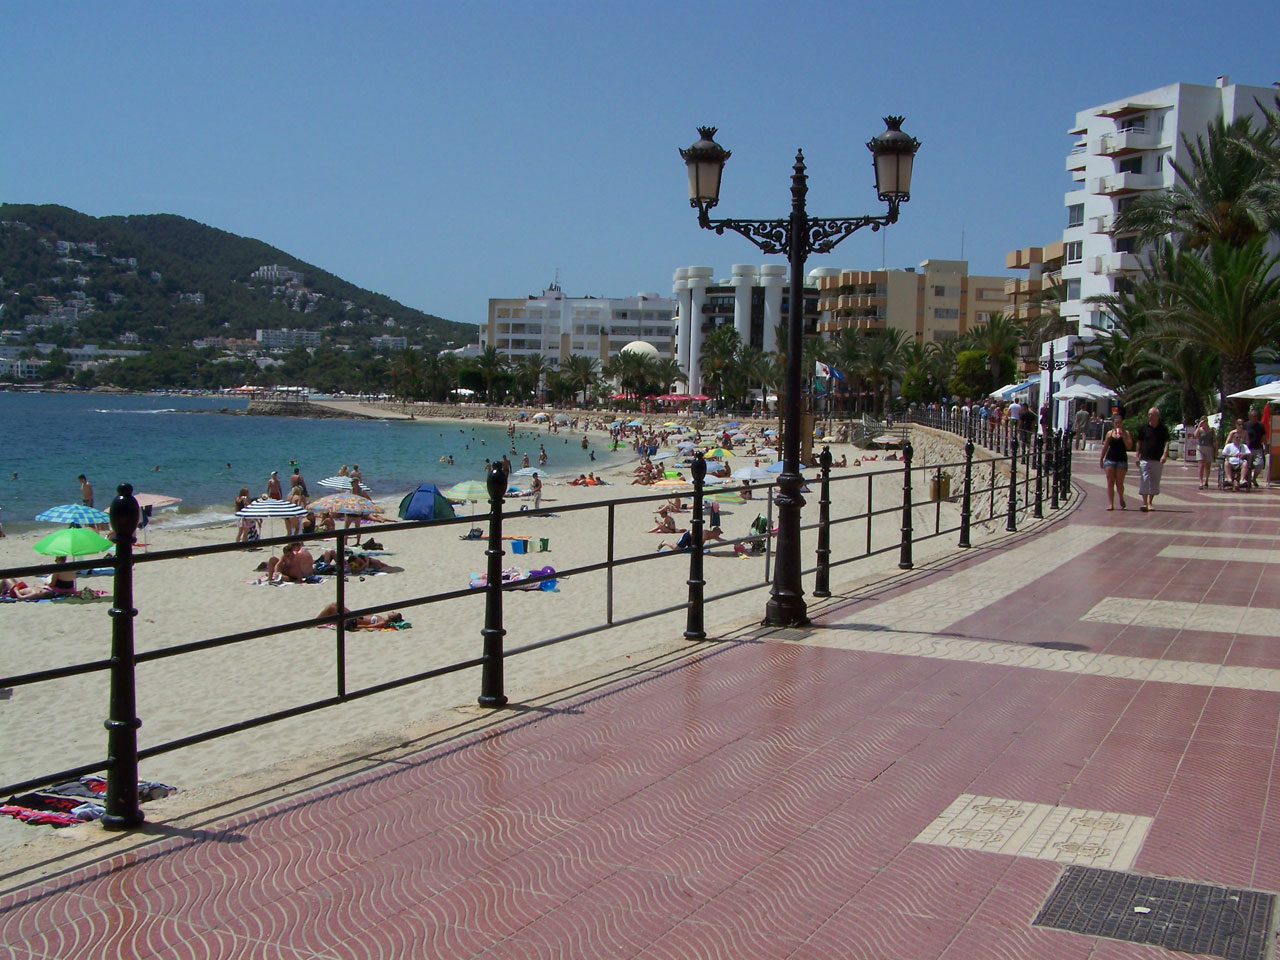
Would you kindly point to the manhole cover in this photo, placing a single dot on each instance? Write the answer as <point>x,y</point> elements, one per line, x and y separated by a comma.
<point>1176,915</point>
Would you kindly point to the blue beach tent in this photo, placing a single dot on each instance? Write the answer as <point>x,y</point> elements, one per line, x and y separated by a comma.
<point>426,503</point>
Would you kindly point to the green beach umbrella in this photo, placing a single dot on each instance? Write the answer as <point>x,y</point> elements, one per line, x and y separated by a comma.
<point>725,497</point>
<point>468,490</point>
<point>72,542</point>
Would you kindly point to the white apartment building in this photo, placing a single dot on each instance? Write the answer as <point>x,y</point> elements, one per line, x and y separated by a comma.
<point>755,299</point>
<point>1121,150</point>
<point>558,327</point>
<point>287,339</point>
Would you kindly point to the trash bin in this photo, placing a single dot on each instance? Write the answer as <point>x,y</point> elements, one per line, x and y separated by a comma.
<point>940,487</point>
<point>519,546</point>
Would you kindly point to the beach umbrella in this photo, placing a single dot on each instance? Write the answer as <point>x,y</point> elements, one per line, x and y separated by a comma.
<point>718,453</point>
<point>268,508</point>
<point>712,480</point>
<point>340,483</point>
<point>539,416</point>
<point>528,472</point>
<point>733,423</point>
<point>73,513</point>
<point>71,542</point>
<point>686,445</point>
<point>768,452</point>
<point>664,455</point>
<point>347,504</point>
<point>751,473</point>
<point>770,432</point>
<point>467,490</point>
<point>740,436</point>
<point>561,418</point>
<point>774,467</point>
<point>636,423</point>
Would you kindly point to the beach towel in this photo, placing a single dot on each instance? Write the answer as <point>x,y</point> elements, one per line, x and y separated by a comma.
<point>73,801</point>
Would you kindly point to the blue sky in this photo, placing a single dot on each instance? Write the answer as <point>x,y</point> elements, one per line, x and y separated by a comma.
<point>445,153</point>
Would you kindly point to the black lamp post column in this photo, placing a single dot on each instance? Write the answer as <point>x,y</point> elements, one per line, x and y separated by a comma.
<point>796,237</point>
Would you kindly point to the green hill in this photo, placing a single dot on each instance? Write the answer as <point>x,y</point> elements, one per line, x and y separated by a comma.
<point>168,280</point>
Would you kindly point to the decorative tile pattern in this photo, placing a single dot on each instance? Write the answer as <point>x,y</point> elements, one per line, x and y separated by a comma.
<point>1228,554</point>
<point>1020,829</point>
<point>1210,617</point>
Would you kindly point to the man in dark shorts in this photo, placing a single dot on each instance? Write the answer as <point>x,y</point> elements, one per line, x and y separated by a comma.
<point>1256,434</point>
<point>86,491</point>
<point>1153,450</point>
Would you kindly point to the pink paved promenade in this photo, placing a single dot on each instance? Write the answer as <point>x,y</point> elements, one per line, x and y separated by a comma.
<point>785,794</point>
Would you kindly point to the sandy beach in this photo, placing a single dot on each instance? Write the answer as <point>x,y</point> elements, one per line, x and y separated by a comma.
<point>59,724</point>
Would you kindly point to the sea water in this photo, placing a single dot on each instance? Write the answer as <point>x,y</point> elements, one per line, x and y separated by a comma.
<point>183,447</point>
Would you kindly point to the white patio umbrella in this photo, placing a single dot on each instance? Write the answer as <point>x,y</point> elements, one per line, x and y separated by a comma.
<point>1268,391</point>
<point>751,473</point>
<point>268,509</point>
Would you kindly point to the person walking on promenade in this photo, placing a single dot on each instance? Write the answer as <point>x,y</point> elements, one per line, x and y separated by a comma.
<point>1205,450</point>
<point>1153,450</point>
<point>1256,434</point>
<point>86,491</point>
<point>1114,460</point>
<point>1081,422</point>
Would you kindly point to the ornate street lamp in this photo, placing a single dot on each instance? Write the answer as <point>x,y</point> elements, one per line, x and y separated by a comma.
<point>1028,351</point>
<point>893,154</point>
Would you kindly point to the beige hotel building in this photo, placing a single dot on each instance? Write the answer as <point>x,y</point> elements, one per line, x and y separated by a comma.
<point>939,301</point>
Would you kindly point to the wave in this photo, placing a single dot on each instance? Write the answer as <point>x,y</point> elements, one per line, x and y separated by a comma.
<point>123,410</point>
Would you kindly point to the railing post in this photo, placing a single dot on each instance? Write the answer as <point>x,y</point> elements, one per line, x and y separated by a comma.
<point>1011,519</point>
<point>491,680</point>
<point>822,578</point>
<point>694,629</point>
<point>340,588</point>
<point>1038,462</point>
<point>1051,453</point>
<point>1068,448</point>
<point>904,555</point>
<point>122,715</point>
<point>966,503</point>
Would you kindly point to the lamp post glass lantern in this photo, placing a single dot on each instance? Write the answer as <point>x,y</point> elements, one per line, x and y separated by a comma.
<point>797,236</point>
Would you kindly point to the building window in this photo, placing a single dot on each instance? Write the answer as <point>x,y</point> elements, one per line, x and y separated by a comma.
<point>1159,162</point>
<point>946,313</point>
<point>1073,289</point>
<point>1131,165</point>
<point>1134,123</point>
<point>1126,244</point>
<point>939,291</point>
<point>1075,215</point>
<point>1075,251</point>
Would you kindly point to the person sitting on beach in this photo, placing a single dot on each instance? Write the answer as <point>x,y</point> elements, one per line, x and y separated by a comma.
<point>294,564</point>
<point>580,482</point>
<point>372,621</point>
<point>594,481</point>
<point>61,584</point>
<point>844,460</point>
<point>665,524</point>
<point>676,505</point>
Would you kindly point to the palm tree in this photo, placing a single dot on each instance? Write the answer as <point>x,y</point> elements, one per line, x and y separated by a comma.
<point>1227,300</point>
<point>718,358</point>
<point>667,370</point>
<point>407,374</point>
<point>884,361</point>
<point>1229,194</point>
<point>490,363</point>
<point>848,353</point>
<point>998,338</point>
<point>582,372</point>
<point>533,369</point>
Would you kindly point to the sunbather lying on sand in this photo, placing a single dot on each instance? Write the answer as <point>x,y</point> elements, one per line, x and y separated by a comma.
<point>372,621</point>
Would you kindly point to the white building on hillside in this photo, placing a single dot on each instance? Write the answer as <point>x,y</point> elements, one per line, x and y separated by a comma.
<point>558,327</point>
<point>1120,151</point>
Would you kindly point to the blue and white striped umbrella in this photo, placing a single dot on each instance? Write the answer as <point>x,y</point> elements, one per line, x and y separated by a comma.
<point>268,508</point>
<point>73,513</point>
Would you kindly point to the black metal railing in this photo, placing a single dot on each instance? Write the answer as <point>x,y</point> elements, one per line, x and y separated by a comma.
<point>989,490</point>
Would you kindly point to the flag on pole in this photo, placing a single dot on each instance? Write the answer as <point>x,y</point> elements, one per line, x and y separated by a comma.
<point>820,369</point>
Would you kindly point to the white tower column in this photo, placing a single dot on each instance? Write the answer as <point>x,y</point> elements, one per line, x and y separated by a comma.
<point>680,290</point>
<point>744,278</point>
<point>699,280</point>
<point>773,277</point>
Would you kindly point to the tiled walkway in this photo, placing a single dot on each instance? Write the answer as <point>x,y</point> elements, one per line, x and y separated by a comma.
<point>1103,693</point>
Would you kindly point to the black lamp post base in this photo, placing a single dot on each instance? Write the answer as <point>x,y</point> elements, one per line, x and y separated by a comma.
<point>110,822</point>
<point>498,701</point>
<point>786,612</point>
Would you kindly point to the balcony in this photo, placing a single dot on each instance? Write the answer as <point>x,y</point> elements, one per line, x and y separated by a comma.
<point>1076,159</point>
<point>1125,141</point>
<point>1114,264</point>
<point>1121,183</point>
<point>1101,224</point>
<point>1021,287</point>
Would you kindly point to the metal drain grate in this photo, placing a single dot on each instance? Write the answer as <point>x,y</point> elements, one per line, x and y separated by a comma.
<point>1176,915</point>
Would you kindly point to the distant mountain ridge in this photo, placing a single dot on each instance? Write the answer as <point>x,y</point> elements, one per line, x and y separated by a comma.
<point>168,280</point>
